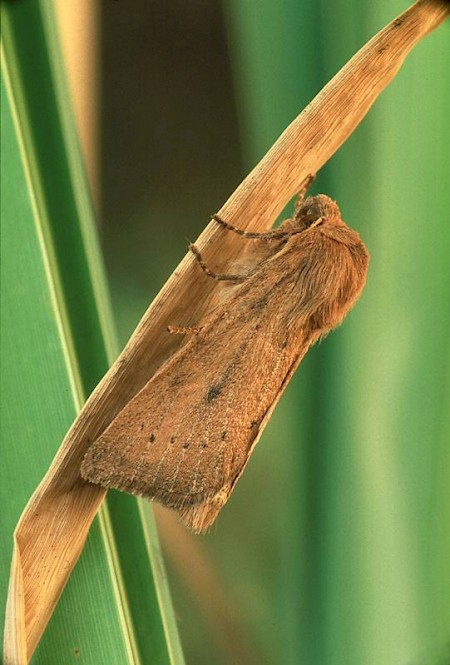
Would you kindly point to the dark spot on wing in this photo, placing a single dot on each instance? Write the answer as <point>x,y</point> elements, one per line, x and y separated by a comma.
<point>213,392</point>
<point>151,438</point>
<point>217,388</point>
<point>172,439</point>
<point>223,436</point>
<point>253,424</point>
<point>142,426</point>
<point>261,302</point>
<point>203,445</point>
<point>186,445</point>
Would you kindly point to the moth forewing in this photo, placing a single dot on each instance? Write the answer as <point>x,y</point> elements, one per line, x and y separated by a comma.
<point>186,437</point>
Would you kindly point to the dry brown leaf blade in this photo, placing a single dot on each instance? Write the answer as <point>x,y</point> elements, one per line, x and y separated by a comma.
<point>54,525</point>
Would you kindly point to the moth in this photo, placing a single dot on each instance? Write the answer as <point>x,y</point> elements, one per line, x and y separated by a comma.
<point>186,437</point>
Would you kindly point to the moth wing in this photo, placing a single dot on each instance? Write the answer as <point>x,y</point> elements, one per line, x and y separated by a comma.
<point>185,438</point>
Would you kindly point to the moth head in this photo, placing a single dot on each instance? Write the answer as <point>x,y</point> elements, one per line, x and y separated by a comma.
<point>318,209</point>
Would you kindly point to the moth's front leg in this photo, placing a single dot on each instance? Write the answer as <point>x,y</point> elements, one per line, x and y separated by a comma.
<point>215,275</point>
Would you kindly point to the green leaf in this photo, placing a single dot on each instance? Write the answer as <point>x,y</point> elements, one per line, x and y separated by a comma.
<point>56,344</point>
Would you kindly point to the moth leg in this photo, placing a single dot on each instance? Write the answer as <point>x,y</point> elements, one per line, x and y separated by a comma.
<point>302,191</point>
<point>214,275</point>
<point>276,234</point>
<point>183,330</point>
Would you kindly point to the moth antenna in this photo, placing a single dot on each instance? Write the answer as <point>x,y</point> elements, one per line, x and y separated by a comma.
<point>302,191</point>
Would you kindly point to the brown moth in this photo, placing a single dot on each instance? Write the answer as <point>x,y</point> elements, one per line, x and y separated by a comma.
<point>186,437</point>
